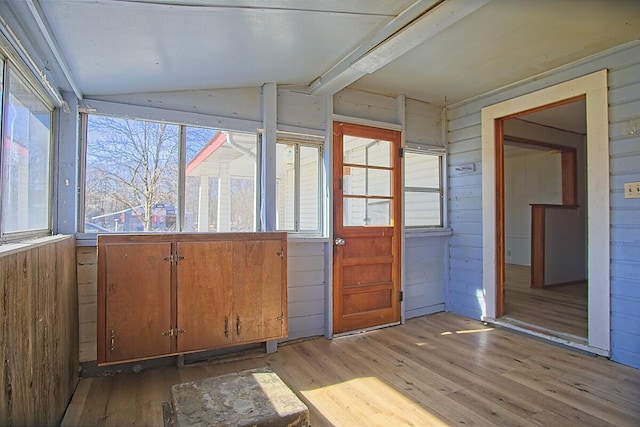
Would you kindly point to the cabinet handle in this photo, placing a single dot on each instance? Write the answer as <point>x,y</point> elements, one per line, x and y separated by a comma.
<point>113,341</point>
<point>238,325</point>
<point>226,327</point>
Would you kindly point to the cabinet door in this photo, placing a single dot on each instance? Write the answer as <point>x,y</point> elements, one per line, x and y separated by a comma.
<point>205,296</point>
<point>137,301</point>
<point>259,297</point>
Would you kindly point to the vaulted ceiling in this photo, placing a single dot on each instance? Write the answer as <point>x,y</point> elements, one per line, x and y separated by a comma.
<point>439,51</point>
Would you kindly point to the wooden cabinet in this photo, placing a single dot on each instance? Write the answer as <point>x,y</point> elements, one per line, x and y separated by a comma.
<point>163,294</point>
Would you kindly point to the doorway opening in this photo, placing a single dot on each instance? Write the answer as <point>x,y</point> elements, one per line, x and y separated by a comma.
<point>545,227</point>
<point>593,89</point>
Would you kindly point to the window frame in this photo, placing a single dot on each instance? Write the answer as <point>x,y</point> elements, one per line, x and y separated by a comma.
<point>440,153</point>
<point>7,66</point>
<point>181,183</point>
<point>304,141</point>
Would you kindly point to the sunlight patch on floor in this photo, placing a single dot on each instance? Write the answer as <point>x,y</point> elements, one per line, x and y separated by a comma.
<point>376,401</point>
<point>468,331</point>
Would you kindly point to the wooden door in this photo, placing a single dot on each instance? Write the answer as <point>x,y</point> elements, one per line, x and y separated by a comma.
<point>259,292</point>
<point>204,295</point>
<point>367,208</point>
<point>137,312</point>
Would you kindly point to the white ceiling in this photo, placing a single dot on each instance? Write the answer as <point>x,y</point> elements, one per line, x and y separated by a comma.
<point>436,54</point>
<point>571,117</point>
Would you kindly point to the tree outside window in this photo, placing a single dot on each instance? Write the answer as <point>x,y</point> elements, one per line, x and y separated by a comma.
<point>133,177</point>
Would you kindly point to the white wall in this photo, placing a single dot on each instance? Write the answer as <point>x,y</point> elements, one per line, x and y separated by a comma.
<point>530,176</point>
<point>565,247</point>
<point>536,177</point>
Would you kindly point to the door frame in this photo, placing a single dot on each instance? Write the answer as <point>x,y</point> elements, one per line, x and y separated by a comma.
<point>594,88</point>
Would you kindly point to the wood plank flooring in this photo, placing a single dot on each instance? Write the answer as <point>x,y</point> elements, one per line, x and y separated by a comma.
<point>561,308</point>
<point>440,369</point>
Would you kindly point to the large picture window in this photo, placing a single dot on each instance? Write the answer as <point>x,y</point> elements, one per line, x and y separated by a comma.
<point>145,176</point>
<point>422,189</point>
<point>25,159</point>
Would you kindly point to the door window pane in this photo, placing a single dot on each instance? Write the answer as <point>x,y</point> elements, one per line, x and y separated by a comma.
<point>367,152</point>
<point>359,181</point>
<point>361,212</point>
<point>26,160</point>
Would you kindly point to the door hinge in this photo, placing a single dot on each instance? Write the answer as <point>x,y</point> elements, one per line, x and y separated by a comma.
<point>401,296</point>
<point>173,258</point>
<point>173,332</point>
<point>401,152</point>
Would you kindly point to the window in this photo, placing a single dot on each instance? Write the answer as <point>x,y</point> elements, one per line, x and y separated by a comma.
<point>135,180</point>
<point>298,180</point>
<point>25,159</point>
<point>220,186</point>
<point>422,188</point>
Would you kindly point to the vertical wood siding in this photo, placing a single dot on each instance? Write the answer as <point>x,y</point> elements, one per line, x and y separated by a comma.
<point>465,189</point>
<point>38,335</point>
<point>87,270</point>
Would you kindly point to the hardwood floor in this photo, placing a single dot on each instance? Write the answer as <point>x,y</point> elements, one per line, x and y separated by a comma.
<point>561,309</point>
<point>440,369</point>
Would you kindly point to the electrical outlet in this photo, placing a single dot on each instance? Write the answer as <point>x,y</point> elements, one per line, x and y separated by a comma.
<point>632,190</point>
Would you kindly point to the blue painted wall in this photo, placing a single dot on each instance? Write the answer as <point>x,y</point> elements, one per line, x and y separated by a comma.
<point>465,193</point>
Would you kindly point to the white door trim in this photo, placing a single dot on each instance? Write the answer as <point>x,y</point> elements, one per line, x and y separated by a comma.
<point>594,87</point>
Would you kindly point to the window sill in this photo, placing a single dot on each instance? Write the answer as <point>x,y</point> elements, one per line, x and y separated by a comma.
<point>14,247</point>
<point>296,238</point>
<point>90,239</point>
<point>427,232</point>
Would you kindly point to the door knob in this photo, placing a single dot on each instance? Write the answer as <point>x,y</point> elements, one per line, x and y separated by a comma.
<point>339,241</point>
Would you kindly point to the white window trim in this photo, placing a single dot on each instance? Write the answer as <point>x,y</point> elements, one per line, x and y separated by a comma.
<point>28,80</point>
<point>301,140</point>
<point>427,229</point>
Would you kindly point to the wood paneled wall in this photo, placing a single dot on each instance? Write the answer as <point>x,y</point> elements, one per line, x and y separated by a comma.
<point>38,332</point>
<point>87,257</point>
